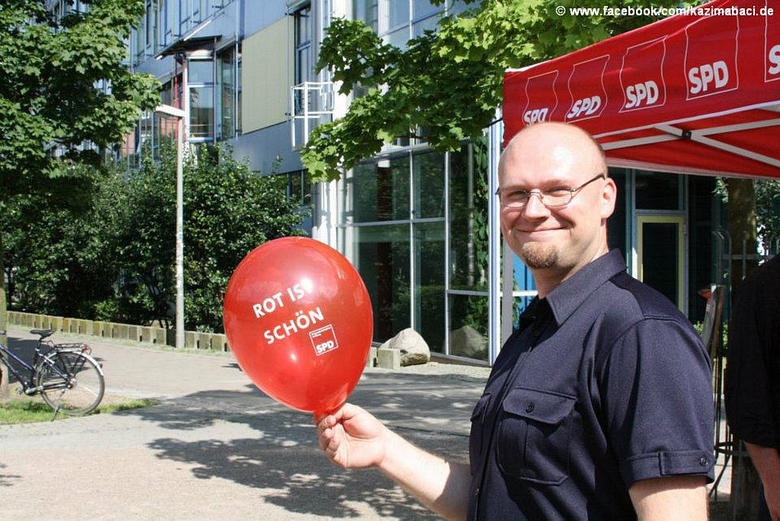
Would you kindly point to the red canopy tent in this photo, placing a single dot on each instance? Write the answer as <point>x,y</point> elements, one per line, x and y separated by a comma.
<point>694,93</point>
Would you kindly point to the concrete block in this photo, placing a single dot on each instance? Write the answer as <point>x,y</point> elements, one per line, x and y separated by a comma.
<point>371,360</point>
<point>98,328</point>
<point>145,334</point>
<point>219,342</point>
<point>119,331</point>
<point>56,323</point>
<point>201,340</point>
<point>190,340</point>
<point>388,358</point>
<point>133,333</point>
<point>66,324</point>
<point>89,327</point>
<point>159,335</point>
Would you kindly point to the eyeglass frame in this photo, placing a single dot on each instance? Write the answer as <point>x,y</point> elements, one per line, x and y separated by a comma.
<point>573,192</point>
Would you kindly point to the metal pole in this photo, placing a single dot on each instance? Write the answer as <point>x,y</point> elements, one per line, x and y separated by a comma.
<point>179,235</point>
<point>494,242</point>
<point>179,261</point>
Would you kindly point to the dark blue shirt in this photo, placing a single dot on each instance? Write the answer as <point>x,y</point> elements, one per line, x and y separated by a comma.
<point>604,383</point>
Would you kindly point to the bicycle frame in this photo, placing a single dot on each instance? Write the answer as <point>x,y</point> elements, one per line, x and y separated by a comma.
<point>28,383</point>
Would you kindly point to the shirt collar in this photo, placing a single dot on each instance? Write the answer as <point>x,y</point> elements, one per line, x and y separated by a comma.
<point>572,292</point>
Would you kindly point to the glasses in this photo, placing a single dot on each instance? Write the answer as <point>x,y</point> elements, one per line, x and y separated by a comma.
<point>554,198</point>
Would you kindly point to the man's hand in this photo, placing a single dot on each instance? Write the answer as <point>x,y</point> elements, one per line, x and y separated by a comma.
<point>352,438</point>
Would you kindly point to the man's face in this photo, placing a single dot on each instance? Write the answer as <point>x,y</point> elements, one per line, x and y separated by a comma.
<point>561,240</point>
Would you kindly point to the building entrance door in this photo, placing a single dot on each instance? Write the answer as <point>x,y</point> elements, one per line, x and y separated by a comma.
<point>661,260</point>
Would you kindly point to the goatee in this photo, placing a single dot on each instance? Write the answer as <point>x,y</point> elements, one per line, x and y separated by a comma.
<point>539,256</point>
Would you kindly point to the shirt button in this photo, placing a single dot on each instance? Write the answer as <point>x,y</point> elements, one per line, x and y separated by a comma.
<point>703,461</point>
<point>530,407</point>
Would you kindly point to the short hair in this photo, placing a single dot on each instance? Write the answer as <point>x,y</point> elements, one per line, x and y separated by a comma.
<point>587,134</point>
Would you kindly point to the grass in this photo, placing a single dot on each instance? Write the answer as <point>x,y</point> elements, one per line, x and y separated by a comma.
<point>27,411</point>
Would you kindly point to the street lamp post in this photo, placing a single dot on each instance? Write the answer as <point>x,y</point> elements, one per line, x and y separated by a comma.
<point>179,115</point>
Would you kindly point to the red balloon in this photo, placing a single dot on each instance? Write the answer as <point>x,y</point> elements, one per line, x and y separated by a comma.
<point>298,320</point>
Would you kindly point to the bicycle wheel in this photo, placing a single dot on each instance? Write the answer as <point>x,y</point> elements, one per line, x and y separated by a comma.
<point>70,382</point>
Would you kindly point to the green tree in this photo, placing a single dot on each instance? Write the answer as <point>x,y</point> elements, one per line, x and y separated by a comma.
<point>228,211</point>
<point>65,94</point>
<point>445,84</point>
<point>115,259</point>
<point>768,212</point>
<point>57,261</point>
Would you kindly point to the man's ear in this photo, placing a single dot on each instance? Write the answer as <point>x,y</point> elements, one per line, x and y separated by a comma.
<point>608,198</point>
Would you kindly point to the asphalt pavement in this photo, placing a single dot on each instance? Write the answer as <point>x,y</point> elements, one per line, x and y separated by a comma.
<point>216,447</point>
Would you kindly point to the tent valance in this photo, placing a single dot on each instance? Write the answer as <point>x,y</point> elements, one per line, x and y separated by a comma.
<point>694,93</point>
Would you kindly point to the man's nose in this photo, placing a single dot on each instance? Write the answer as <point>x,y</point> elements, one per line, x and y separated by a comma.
<point>535,207</point>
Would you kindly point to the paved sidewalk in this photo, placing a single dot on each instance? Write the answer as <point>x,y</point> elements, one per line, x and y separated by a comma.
<point>216,447</point>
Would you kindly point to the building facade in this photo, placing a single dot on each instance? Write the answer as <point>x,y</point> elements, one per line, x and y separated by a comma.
<point>421,227</point>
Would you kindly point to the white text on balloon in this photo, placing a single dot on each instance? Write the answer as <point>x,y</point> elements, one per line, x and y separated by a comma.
<point>302,321</point>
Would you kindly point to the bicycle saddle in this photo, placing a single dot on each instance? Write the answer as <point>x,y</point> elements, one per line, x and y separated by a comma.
<point>43,332</point>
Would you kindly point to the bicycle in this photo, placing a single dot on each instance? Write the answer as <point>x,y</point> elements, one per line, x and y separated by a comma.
<point>68,379</point>
<point>44,346</point>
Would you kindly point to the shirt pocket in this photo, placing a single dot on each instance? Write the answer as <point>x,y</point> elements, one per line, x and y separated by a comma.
<point>476,438</point>
<point>534,435</point>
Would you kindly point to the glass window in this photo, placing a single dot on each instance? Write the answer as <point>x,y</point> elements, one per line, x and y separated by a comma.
<point>202,112</point>
<point>299,187</point>
<point>458,6</point>
<point>469,326</point>
<point>423,9</point>
<point>185,11</point>
<point>381,190</point>
<point>138,46</point>
<point>428,184</point>
<point>227,79</point>
<point>366,12</point>
<point>382,259</point>
<point>239,88</point>
<point>200,71</point>
<point>399,37</point>
<point>469,229</point>
<point>429,283</point>
<point>304,64</point>
<point>427,24</point>
<point>656,191</point>
<point>398,13</point>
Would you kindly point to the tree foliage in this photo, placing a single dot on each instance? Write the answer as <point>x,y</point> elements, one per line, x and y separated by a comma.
<point>228,211</point>
<point>768,212</point>
<point>446,83</point>
<point>115,260</point>
<point>64,84</point>
<point>65,94</point>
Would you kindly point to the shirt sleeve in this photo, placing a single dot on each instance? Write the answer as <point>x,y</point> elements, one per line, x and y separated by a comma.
<point>747,387</point>
<point>657,401</point>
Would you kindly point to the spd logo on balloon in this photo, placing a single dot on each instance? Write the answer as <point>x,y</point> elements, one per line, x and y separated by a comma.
<point>298,320</point>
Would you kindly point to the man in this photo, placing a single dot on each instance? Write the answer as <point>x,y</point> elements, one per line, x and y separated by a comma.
<point>599,406</point>
<point>753,378</point>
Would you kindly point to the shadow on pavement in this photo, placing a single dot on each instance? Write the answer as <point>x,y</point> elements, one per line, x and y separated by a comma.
<point>283,460</point>
<point>7,480</point>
